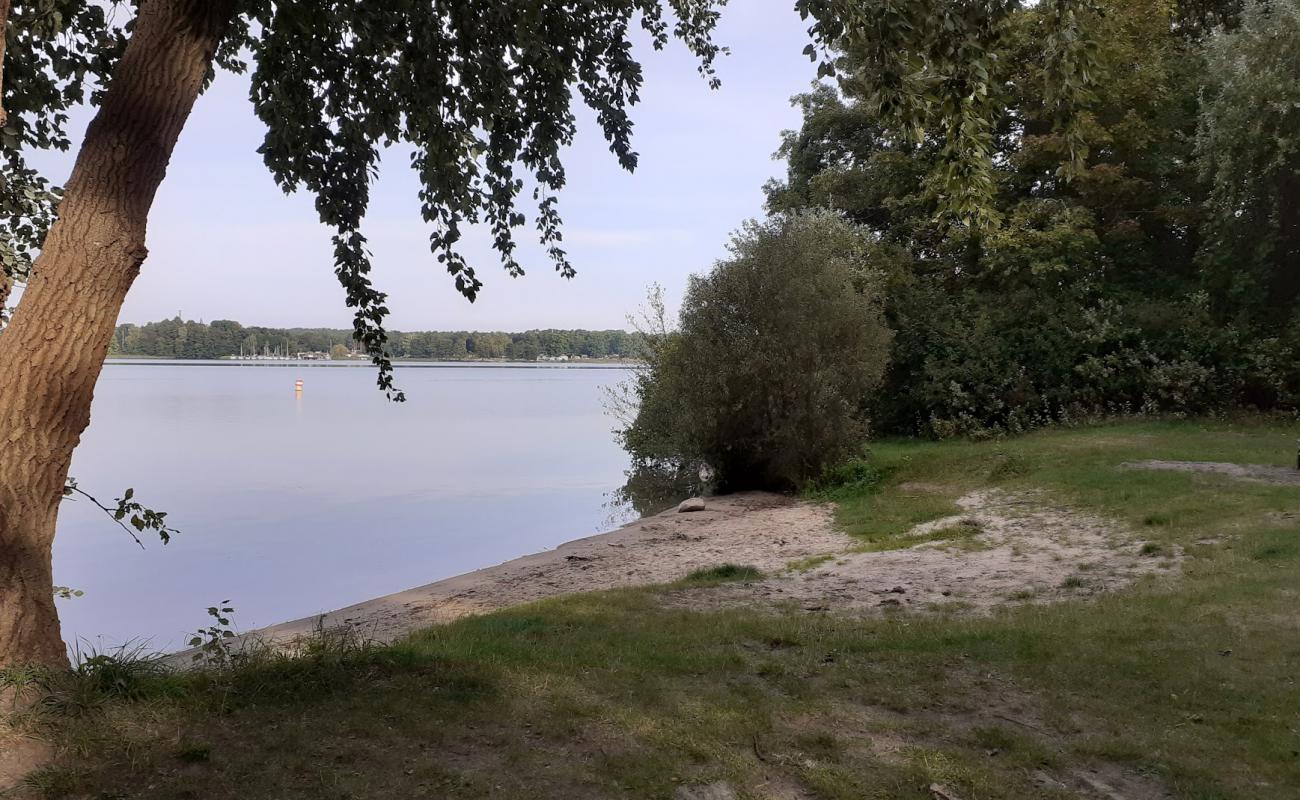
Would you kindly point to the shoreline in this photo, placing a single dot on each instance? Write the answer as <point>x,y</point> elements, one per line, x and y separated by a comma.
<point>758,529</point>
<point>1019,548</point>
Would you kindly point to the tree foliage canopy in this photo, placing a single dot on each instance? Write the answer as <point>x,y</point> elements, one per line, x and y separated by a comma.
<point>481,92</point>
<point>1248,144</point>
<point>1130,274</point>
<point>935,69</point>
<point>58,53</point>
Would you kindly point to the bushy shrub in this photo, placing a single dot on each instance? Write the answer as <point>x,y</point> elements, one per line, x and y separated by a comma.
<point>973,364</point>
<point>767,378</point>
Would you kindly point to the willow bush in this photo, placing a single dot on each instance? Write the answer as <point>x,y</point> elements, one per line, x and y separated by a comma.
<point>765,379</point>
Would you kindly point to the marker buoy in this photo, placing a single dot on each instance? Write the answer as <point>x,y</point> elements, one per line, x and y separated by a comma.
<point>297,386</point>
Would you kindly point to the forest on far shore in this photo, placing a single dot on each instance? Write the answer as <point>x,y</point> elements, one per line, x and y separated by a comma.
<point>178,338</point>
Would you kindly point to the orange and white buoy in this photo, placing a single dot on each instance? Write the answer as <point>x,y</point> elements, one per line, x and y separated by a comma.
<point>297,386</point>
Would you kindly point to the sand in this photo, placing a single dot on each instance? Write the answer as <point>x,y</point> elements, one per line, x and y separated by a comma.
<point>1024,550</point>
<point>1021,549</point>
<point>759,529</point>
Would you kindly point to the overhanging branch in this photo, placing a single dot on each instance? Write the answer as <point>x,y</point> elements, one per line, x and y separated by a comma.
<point>4,37</point>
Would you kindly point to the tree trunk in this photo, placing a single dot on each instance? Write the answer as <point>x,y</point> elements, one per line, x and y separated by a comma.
<point>1286,254</point>
<point>53,349</point>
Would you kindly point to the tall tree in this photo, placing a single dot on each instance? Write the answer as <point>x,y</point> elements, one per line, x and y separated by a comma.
<point>1249,146</point>
<point>481,90</point>
<point>52,350</point>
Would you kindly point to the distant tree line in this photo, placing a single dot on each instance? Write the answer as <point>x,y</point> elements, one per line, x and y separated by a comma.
<point>178,338</point>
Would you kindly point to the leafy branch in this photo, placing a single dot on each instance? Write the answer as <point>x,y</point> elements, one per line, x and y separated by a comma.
<point>933,69</point>
<point>213,642</point>
<point>128,510</point>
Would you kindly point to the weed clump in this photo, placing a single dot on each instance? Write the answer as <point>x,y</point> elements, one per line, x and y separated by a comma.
<point>723,573</point>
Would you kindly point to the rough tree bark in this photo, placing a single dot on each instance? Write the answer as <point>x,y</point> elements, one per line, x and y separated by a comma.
<point>53,349</point>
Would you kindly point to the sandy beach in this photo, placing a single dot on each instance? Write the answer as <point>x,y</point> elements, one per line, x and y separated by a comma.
<point>763,530</point>
<point>1022,549</point>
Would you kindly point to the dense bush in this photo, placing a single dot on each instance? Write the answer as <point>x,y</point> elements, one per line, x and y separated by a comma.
<point>966,364</point>
<point>766,379</point>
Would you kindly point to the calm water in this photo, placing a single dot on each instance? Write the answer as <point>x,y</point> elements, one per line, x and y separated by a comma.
<point>290,506</point>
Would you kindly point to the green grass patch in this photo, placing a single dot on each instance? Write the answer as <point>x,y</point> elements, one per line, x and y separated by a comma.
<point>961,535</point>
<point>722,574</point>
<point>882,517</point>
<point>1152,549</point>
<point>809,563</point>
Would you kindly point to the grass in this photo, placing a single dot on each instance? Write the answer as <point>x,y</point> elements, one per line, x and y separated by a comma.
<point>722,574</point>
<point>810,563</point>
<point>1186,686</point>
<point>964,535</point>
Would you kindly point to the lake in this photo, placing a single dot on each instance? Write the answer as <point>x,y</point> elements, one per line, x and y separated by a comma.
<point>294,505</point>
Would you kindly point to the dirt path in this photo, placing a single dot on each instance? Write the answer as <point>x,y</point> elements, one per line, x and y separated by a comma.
<point>1002,548</point>
<point>1255,473</point>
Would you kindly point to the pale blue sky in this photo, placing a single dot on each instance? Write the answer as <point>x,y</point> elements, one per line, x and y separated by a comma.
<point>225,243</point>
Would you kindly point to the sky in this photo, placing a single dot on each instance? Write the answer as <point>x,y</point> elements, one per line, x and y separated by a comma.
<point>225,243</point>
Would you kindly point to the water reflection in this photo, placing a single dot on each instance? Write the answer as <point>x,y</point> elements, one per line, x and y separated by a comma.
<point>291,505</point>
<point>651,489</point>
